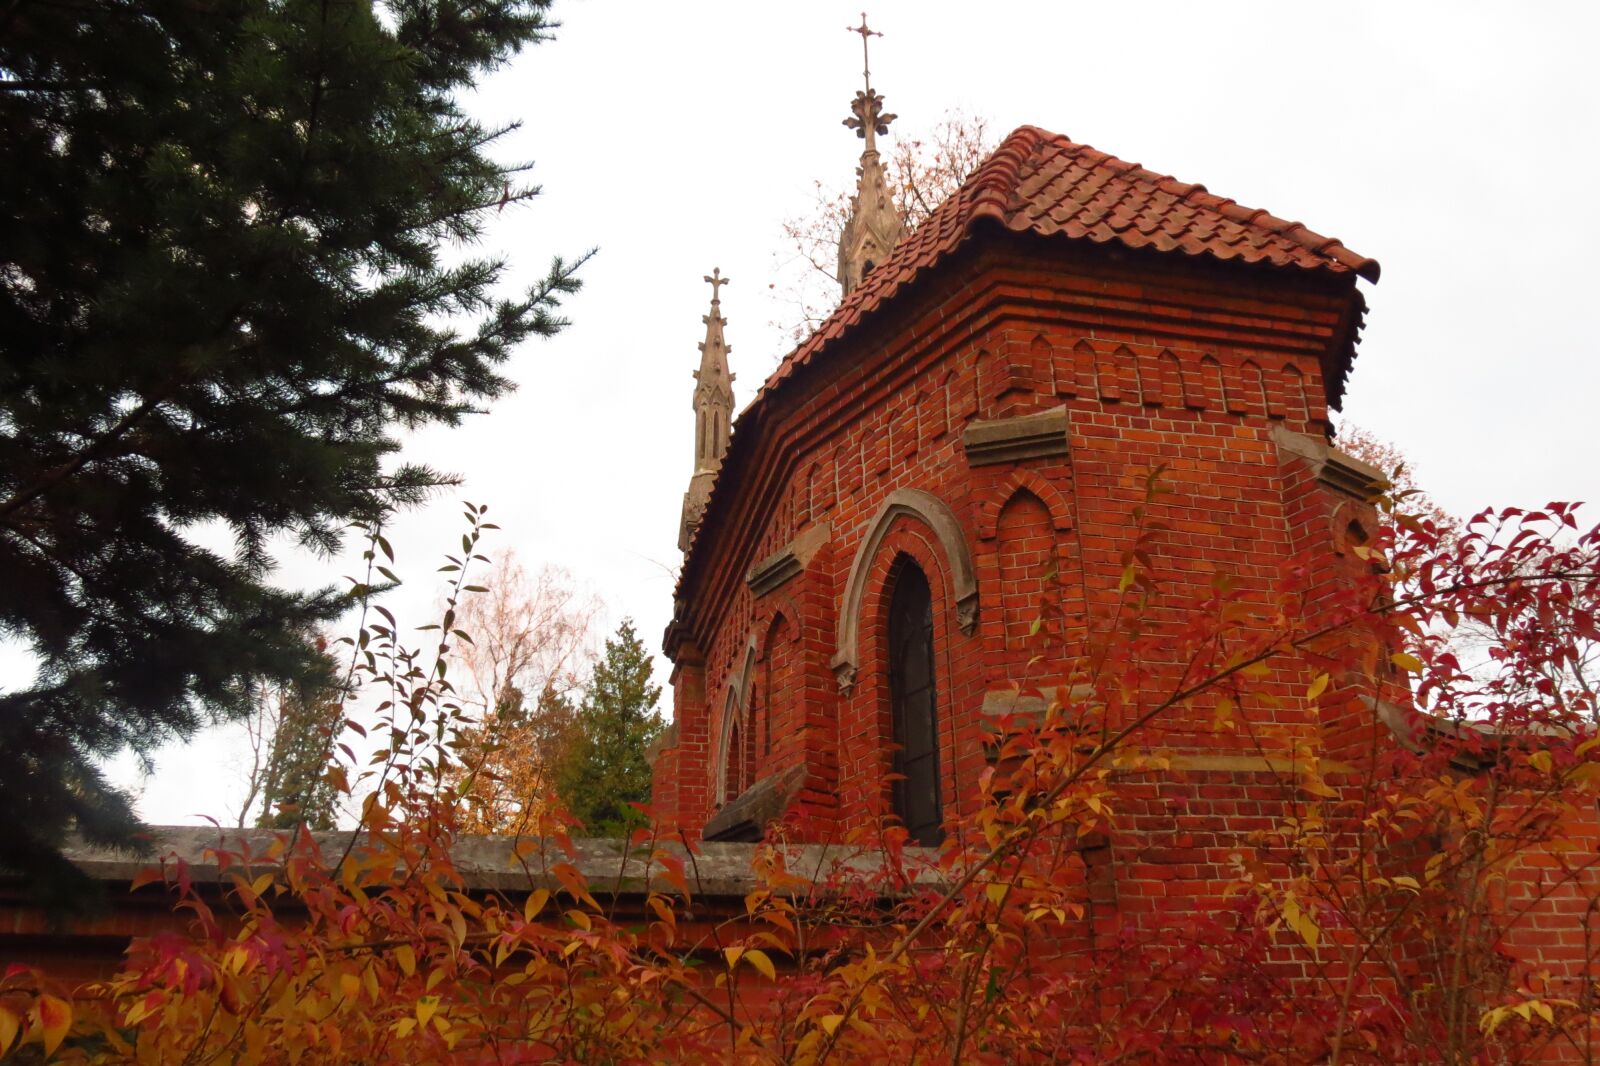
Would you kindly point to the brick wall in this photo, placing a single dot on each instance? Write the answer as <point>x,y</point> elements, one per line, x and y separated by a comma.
<point>1188,366</point>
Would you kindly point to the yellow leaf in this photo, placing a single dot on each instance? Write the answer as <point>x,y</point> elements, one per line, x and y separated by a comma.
<point>1406,661</point>
<point>758,958</point>
<point>1543,1010</point>
<point>259,885</point>
<point>458,926</point>
<point>349,985</point>
<point>434,977</point>
<point>1318,686</point>
<point>1300,921</point>
<point>55,1018</point>
<point>369,981</point>
<point>1540,761</point>
<point>996,893</point>
<point>406,958</point>
<point>732,955</point>
<point>1407,882</point>
<point>535,903</point>
<point>830,1022</point>
<point>1223,719</point>
<point>1313,783</point>
<point>425,1009</point>
<point>137,1013</point>
<point>9,1024</point>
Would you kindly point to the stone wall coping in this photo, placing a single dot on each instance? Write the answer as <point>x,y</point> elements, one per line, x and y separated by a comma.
<point>490,863</point>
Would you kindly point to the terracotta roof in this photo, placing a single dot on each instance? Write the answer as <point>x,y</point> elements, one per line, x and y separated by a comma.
<point>1045,183</point>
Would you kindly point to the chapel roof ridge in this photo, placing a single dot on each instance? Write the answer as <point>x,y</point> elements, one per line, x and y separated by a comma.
<point>1034,181</point>
<point>1051,185</point>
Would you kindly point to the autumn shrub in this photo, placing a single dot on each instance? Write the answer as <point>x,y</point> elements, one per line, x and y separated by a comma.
<point>1427,895</point>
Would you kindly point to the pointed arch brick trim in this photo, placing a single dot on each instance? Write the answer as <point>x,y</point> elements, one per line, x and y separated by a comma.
<point>932,512</point>
<point>734,705</point>
<point>1048,494</point>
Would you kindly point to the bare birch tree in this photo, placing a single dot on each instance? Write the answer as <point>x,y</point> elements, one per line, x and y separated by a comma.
<point>923,171</point>
<point>532,645</point>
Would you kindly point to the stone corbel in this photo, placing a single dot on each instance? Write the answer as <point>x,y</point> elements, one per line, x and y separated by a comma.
<point>773,571</point>
<point>1351,476</point>
<point>1341,472</point>
<point>1005,440</point>
<point>844,673</point>
<point>789,561</point>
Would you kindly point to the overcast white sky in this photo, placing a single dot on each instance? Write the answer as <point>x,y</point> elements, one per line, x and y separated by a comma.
<point>1454,142</point>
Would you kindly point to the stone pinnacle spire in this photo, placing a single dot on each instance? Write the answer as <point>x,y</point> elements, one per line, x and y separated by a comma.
<point>713,413</point>
<point>873,228</point>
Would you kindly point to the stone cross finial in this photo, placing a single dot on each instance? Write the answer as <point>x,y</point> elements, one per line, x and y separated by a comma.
<point>873,227</point>
<point>717,282</point>
<point>866,72</point>
<point>867,114</point>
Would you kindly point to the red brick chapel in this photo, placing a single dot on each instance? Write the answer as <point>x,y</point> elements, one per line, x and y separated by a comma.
<point>867,545</point>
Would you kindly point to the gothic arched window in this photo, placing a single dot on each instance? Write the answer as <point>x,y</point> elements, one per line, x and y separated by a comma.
<point>914,708</point>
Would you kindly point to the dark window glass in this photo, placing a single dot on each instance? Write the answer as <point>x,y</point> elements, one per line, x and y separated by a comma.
<point>916,725</point>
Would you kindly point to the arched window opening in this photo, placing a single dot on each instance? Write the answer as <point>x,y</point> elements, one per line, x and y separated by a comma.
<point>733,783</point>
<point>736,760</point>
<point>775,693</point>
<point>914,708</point>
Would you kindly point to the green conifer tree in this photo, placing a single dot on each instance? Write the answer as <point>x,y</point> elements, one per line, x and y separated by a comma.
<point>604,768</point>
<point>221,295</point>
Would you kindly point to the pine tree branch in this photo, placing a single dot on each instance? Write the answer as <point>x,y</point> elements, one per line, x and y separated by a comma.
<point>100,447</point>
